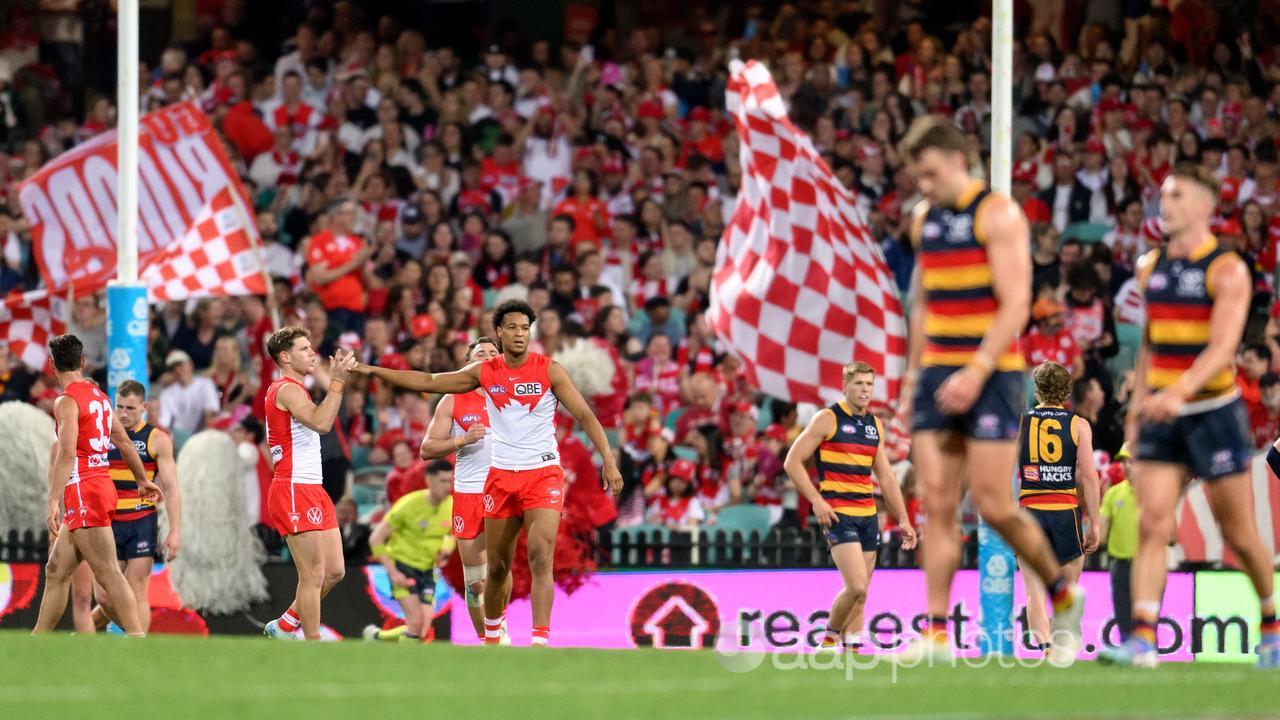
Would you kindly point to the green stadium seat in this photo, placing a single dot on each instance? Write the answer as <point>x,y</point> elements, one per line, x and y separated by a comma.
<point>673,416</point>
<point>180,438</point>
<point>1128,337</point>
<point>365,494</point>
<point>743,518</point>
<point>359,457</point>
<point>684,452</point>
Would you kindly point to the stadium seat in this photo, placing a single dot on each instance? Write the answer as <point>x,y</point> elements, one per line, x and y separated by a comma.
<point>684,452</point>
<point>1128,337</point>
<point>366,496</point>
<point>673,416</point>
<point>636,535</point>
<point>744,518</point>
<point>180,438</point>
<point>359,457</point>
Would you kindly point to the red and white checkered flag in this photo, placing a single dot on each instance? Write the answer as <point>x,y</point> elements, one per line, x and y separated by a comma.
<point>215,257</point>
<point>801,287</point>
<point>28,322</point>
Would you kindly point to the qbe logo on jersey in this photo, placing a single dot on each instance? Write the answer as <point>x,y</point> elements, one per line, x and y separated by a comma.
<point>528,388</point>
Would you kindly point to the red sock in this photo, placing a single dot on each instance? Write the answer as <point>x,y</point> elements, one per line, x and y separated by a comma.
<point>540,634</point>
<point>290,621</point>
<point>492,630</point>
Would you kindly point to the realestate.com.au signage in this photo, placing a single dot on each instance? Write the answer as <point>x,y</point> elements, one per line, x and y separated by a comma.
<point>786,610</point>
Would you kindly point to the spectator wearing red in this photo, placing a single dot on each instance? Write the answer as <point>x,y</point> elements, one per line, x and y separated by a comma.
<point>659,375</point>
<point>1023,187</point>
<point>408,473</point>
<point>501,170</point>
<point>676,505</point>
<point>701,138</point>
<point>335,262</point>
<point>297,115</point>
<point>1266,426</point>
<point>1049,339</point>
<point>586,497</point>
<point>589,213</point>
<point>1253,363</point>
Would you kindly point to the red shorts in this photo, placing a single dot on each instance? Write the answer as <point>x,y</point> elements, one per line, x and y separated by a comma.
<point>294,508</point>
<point>468,515</point>
<point>510,493</point>
<point>89,503</point>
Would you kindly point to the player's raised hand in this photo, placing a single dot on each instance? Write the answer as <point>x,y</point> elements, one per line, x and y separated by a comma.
<point>340,366</point>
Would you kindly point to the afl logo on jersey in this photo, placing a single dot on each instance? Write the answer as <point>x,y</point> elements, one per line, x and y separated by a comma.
<point>848,429</point>
<point>1158,281</point>
<point>470,419</point>
<point>528,388</point>
<point>960,228</point>
<point>931,231</point>
<point>1191,283</point>
<point>497,390</point>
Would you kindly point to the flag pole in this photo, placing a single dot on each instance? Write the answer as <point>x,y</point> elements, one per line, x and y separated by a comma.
<point>128,313</point>
<point>256,238</point>
<point>996,561</point>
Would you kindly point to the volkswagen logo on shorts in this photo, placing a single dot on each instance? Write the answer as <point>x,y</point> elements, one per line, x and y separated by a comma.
<point>488,503</point>
<point>314,516</point>
<point>458,524</point>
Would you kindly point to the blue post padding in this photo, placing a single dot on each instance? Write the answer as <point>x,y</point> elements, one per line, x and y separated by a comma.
<point>996,565</point>
<point>127,317</point>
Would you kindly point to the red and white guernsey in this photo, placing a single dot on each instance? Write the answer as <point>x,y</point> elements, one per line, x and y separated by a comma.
<point>471,465</point>
<point>522,412</point>
<point>295,448</point>
<point>94,437</point>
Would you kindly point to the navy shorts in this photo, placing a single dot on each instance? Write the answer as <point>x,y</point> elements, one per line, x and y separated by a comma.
<point>1211,444</point>
<point>424,584</point>
<point>862,529</point>
<point>137,538</point>
<point>995,415</point>
<point>1063,530</point>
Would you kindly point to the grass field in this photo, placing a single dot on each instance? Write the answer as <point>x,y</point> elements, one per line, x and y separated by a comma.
<point>242,678</point>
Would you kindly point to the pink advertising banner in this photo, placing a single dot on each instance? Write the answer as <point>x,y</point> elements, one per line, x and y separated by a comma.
<point>786,610</point>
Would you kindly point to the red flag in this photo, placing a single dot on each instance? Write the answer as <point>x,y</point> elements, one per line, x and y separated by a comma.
<point>28,322</point>
<point>801,287</point>
<point>214,257</point>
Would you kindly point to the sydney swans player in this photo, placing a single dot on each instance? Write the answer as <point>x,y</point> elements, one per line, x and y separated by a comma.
<point>80,481</point>
<point>459,427</point>
<point>297,505</point>
<point>525,484</point>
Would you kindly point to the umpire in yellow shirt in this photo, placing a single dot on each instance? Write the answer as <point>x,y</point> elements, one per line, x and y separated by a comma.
<point>1119,534</point>
<point>413,537</point>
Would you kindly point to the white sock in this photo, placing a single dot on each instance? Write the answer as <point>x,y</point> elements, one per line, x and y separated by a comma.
<point>853,638</point>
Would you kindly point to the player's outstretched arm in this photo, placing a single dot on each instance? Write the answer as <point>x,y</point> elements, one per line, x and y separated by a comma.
<point>819,429</point>
<point>167,479</point>
<point>565,391</point>
<point>458,381</point>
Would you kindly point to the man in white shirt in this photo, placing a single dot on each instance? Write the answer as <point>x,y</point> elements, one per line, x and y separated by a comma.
<point>190,402</point>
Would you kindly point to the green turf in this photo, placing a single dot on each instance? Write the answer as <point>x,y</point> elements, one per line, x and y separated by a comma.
<point>243,678</point>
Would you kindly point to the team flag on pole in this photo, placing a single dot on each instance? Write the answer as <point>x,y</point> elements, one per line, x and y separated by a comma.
<point>27,323</point>
<point>801,287</point>
<point>215,257</point>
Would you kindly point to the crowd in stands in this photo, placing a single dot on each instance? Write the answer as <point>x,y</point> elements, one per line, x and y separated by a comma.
<point>405,184</point>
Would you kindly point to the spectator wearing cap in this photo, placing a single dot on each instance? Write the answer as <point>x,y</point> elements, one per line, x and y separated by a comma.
<point>189,402</point>
<point>701,139</point>
<point>411,236</point>
<point>1022,189</point>
<point>335,268</point>
<point>1049,339</point>
<point>675,504</point>
<point>589,213</point>
<point>1068,199</point>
